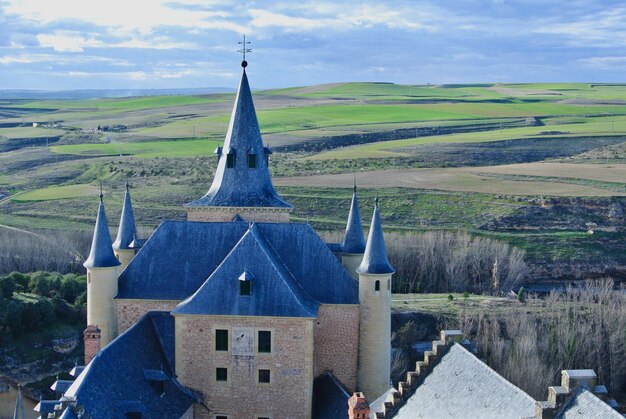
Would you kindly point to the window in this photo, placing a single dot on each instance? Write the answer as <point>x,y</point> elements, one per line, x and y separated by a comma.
<point>251,161</point>
<point>221,417</point>
<point>230,160</point>
<point>221,340</point>
<point>377,286</point>
<point>265,341</point>
<point>221,374</point>
<point>133,415</point>
<point>389,285</point>
<point>245,287</point>
<point>264,376</point>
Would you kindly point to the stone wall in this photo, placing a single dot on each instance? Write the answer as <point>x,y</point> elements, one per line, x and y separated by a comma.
<point>129,311</point>
<point>336,342</point>
<point>226,214</point>
<point>289,393</point>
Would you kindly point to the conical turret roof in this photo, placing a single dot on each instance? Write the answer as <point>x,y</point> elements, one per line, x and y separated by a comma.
<point>243,179</point>
<point>126,231</point>
<point>375,258</point>
<point>353,240</point>
<point>101,254</point>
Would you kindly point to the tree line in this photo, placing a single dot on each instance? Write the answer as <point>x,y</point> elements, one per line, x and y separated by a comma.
<point>582,328</point>
<point>32,302</point>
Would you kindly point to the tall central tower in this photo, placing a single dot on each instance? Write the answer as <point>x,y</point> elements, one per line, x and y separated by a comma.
<point>242,184</point>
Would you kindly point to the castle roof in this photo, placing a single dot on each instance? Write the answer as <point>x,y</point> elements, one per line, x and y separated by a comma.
<point>461,385</point>
<point>126,231</point>
<point>180,256</point>
<point>585,404</point>
<point>101,254</point>
<point>353,240</point>
<point>330,398</point>
<point>243,184</point>
<point>114,382</point>
<point>375,258</point>
<point>273,289</point>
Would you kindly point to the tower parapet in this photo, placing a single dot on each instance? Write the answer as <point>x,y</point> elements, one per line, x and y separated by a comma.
<point>374,369</point>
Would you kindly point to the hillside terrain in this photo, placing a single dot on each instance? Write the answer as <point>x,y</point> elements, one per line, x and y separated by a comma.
<point>540,166</point>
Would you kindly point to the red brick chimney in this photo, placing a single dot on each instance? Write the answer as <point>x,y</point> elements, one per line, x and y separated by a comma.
<point>358,407</point>
<point>91,337</point>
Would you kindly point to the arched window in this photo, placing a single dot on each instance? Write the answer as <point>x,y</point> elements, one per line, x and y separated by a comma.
<point>377,285</point>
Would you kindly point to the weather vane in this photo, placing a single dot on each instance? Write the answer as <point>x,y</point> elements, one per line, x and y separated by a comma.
<point>244,48</point>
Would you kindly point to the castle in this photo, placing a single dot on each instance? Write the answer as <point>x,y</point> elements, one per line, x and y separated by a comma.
<point>240,313</point>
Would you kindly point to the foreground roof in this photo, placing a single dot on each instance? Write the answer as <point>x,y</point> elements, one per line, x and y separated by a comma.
<point>330,398</point>
<point>181,255</point>
<point>114,383</point>
<point>242,185</point>
<point>587,405</point>
<point>101,254</point>
<point>462,386</point>
<point>273,289</point>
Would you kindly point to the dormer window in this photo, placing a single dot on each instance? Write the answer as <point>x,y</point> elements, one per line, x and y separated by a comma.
<point>245,283</point>
<point>218,153</point>
<point>230,160</point>
<point>377,286</point>
<point>267,151</point>
<point>251,161</point>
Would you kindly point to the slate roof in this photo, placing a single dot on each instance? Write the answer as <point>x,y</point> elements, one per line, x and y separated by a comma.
<point>114,382</point>
<point>353,240</point>
<point>462,386</point>
<point>181,255</point>
<point>274,290</point>
<point>587,405</point>
<point>61,386</point>
<point>241,186</point>
<point>330,399</point>
<point>46,406</point>
<point>126,231</point>
<point>375,258</point>
<point>101,254</point>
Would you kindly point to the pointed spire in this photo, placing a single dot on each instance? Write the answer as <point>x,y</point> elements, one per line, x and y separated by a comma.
<point>19,412</point>
<point>101,254</point>
<point>126,231</point>
<point>242,177</point>
<point>375,258</point>
<point>353,240</point>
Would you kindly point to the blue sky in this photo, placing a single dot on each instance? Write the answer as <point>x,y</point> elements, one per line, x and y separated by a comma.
<point>83,44</point>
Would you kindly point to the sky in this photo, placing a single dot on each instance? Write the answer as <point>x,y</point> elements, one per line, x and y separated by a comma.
<point>119,44</point>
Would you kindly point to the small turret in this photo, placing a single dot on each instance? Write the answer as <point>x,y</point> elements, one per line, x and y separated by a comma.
<point>102,272</point>
<point>126,233</point>
<point>374,370</point>
<point>353,244</point>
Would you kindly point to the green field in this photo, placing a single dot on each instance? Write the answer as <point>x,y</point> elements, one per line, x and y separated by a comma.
<point>58,192</point>
<point>145,150</point>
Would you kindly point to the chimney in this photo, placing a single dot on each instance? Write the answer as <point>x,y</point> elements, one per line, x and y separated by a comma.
<point>358,407</point>
<point>91,337</point>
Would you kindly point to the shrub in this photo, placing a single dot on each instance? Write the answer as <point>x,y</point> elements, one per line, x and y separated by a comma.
<point>521,297</point>
<point>450,297</point>
<point>466,294</point>
<point>7,287</point>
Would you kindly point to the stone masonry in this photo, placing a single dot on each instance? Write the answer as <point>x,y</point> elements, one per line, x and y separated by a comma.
<point>226,214</point>
<point>129,311</point>
<point>336,343</point>
<point>289,393</point>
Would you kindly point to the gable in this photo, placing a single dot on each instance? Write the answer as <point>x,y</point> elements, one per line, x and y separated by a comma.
<point>271,290</point>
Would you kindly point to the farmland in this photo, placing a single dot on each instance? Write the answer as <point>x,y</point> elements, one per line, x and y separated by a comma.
<point>537,165</point>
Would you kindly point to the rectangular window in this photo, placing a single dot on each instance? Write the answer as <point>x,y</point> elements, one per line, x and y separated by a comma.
<point>252,161</point>
<point>221,340</point>
<point>221,374</point>
<point>265,341</point>
<point>264,376</point>
<point>245,287</point>
<point>221,417</point>
<point>230,161</point>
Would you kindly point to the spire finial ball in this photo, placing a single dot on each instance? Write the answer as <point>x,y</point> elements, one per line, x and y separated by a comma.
<point>244,64</point>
